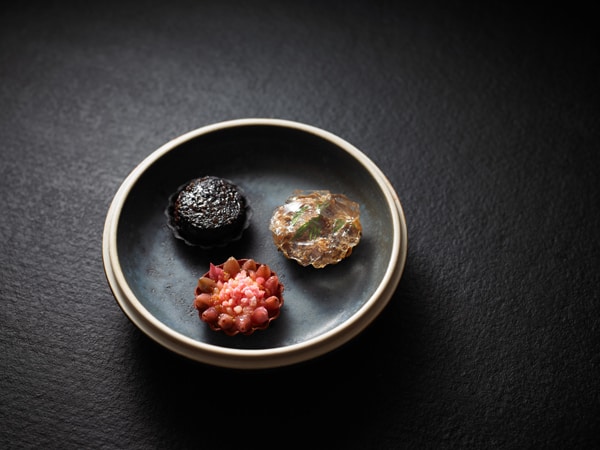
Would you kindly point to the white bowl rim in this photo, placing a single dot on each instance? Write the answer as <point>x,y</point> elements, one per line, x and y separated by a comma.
<point>253,358</point>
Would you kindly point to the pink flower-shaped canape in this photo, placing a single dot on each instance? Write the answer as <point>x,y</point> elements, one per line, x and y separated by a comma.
<point>239,296</point>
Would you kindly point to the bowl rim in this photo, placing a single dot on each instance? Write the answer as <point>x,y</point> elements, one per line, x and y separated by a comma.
<point>253,358</point>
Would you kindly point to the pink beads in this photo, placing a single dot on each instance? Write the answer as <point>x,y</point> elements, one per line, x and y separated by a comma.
<point>238,296</point>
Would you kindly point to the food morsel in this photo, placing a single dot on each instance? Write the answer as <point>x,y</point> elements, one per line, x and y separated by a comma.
<point>208,212</point>
<point>239,296</point>
<point>316,228</point>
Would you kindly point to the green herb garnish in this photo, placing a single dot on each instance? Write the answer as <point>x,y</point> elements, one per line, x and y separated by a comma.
<point>311,229</point>
<point>338,224</point>
<point>298,213</point>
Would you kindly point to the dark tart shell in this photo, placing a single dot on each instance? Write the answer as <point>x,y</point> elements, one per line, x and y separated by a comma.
<point>208,212</point>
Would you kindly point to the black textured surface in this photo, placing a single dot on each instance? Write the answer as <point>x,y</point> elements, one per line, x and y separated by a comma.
<point>484,119</point>
<point>207,211</point>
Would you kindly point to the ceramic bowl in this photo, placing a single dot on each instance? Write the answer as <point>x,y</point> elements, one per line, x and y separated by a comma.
<point>153,275</point>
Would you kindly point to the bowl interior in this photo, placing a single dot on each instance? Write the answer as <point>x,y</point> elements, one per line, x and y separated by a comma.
<point>268,163</point>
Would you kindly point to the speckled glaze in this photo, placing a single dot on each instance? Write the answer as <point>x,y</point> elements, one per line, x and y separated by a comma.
<point>152,274</point>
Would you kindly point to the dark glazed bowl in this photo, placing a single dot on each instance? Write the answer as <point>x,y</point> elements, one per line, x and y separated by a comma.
<point>153,275</point>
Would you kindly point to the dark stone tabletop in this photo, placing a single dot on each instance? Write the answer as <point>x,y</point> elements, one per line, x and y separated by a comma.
<point>485,119</point>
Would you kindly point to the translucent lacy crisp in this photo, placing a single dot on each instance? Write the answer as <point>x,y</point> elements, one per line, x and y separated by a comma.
<point>316,228</point>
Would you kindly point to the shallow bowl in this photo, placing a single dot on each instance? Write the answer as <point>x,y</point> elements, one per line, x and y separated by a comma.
<point>153,275</point>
